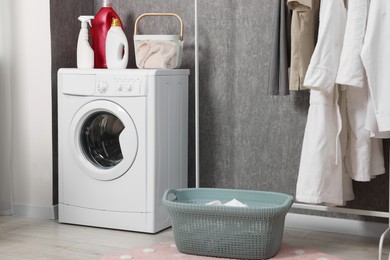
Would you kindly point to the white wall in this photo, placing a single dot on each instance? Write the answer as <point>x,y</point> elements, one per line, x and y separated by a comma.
<point>31,157</point>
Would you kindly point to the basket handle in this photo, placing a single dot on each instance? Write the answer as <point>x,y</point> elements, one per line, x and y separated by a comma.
<point>159,14</point>
<point>168,195</point>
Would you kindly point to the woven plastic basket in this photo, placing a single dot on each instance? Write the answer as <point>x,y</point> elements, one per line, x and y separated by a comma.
<point>254,232</point>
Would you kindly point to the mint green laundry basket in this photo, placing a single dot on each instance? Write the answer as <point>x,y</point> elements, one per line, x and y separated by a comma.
<point>254,232</point>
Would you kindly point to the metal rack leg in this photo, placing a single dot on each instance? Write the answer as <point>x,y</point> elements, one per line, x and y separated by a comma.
<point>381,243</point>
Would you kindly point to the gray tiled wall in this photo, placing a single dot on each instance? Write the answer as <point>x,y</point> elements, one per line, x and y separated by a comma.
<point>248,139</point>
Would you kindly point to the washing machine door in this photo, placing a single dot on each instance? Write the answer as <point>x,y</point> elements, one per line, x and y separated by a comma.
<point>104,140</point>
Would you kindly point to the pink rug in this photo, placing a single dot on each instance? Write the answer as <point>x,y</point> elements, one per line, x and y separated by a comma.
<point>168,250</point>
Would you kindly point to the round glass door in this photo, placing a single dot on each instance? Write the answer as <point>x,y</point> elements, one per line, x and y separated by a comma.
<point>100,139</point>
<point>103,139</point>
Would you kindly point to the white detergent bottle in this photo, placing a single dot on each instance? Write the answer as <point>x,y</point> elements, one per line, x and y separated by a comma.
<point>117,47</point>
<point>85,57</point>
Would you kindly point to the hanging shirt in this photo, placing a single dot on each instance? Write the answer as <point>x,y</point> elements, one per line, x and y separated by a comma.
<point>304,24</point>
<point>321,178</point>
<point>280,52</point>
<point>375,56</point>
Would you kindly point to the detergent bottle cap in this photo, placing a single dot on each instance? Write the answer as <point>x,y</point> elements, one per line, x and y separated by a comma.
<point>107,3</point>
<point>84,19</point>
<point>115,22</point>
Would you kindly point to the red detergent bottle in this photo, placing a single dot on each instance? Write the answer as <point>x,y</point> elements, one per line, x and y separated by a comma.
<point>100,26</point>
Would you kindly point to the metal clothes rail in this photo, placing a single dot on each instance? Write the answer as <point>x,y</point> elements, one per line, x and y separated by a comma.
<point>359,212</point>
<point>369,213</point>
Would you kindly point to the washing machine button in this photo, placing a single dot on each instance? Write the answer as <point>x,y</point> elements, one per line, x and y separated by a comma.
<point>103,87</point>
<point>130,88</point>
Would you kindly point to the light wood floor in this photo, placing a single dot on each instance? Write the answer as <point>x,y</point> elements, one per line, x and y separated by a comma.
<point>27,238</point>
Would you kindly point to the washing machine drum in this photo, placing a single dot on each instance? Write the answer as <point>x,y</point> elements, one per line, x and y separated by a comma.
<point>100,139</point>
<point>105,140</point>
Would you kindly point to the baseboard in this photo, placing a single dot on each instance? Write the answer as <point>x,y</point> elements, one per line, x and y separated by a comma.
<point>6,213</point>
<point>336,225</point>
<point>293,220</point>
<point>35,211</point>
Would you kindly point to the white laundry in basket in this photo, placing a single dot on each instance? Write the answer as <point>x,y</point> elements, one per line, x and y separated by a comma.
<point>232,203</point>
<point>163,54</point>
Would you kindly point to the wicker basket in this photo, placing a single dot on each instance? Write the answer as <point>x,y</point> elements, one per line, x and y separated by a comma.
<point>158,51</point>
<point>254,232</point>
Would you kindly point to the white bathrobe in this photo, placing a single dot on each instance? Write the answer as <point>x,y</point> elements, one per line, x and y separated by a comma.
<point>364,156</point>
<point>337,146</point>
<point>321,178</point>
<point>376,59</point>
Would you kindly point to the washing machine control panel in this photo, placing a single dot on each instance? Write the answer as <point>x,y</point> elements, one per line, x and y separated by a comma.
<point>121,85</point>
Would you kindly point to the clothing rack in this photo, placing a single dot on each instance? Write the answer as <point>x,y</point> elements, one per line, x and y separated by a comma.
<point>358,212</point>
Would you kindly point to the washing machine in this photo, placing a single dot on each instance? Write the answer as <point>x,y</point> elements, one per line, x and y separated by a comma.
<point>122,141</point>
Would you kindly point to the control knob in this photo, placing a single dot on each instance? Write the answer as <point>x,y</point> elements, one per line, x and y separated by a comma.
<point>103,87</point>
